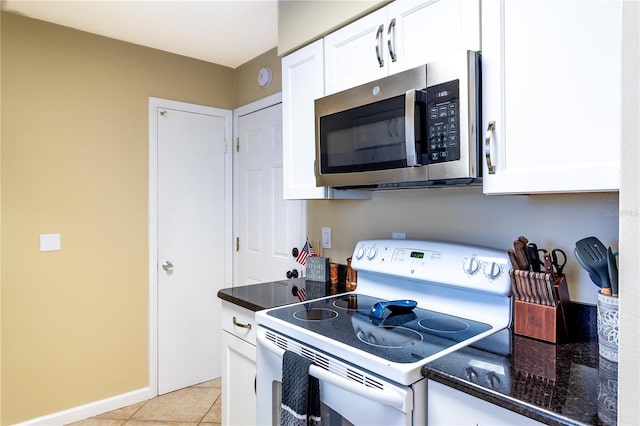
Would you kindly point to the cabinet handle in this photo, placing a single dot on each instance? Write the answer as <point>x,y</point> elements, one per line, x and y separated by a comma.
<point>379,42</point>
<point>391,39</point>
<point>239,324</point>
<point>488,137</point>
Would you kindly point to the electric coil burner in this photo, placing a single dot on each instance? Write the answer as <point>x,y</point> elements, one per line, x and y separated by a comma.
<point>462,295</point>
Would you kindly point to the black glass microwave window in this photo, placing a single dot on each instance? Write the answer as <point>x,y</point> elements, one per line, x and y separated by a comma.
<point>368,137</point>
<point>443,123</point>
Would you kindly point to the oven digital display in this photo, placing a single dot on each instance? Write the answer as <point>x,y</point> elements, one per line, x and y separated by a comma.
<point>417,255</point>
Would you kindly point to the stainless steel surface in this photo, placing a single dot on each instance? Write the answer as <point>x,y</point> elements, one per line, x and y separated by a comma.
<point>491,168</point>
<point>391,86</point>
<point>167,266</point>
<point>241,325</point>
<point>391,40</point>
<point>379,43</point>
<point>463,67</point>
<point>409,128</point>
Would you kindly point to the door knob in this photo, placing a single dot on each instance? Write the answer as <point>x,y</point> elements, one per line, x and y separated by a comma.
<point>292,273</point>
<point>167,266</point>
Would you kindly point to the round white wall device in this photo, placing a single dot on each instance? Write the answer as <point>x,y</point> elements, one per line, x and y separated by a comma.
<point>264,77</point>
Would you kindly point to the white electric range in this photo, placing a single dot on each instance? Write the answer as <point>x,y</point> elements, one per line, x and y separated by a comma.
<point>369,361</point>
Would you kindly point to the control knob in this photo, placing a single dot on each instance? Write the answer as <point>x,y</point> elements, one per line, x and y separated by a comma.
<point>471,266</point>
<point>493,271</point>
<point>359,253</point>
<point>372,253</point>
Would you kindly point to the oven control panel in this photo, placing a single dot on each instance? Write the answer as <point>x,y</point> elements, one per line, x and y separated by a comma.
<point>471,267</point>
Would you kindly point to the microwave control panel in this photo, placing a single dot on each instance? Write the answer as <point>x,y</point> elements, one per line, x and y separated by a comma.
<point>443,123</point>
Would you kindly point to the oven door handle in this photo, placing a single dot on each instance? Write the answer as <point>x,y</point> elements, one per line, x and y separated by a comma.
<point>389,396</point>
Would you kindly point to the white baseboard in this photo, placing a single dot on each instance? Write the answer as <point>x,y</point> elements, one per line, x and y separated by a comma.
<point>92,409</point>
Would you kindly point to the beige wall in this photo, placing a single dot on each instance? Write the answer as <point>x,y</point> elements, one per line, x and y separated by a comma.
<point>247,89</point>
<point>75,162</point>
<point>466,215</point>
<point>302,21</point>
<point>0,218</point>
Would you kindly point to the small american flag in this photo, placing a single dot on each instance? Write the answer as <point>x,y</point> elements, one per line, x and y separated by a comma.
<point>306,251</point>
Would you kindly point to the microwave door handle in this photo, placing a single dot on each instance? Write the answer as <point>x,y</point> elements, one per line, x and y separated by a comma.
<point>410,128</point>
<point>389,396</point>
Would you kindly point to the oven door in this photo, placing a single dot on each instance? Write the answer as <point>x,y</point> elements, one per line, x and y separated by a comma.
<point>348,395</point>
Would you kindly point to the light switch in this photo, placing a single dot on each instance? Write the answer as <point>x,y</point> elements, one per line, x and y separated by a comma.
<point>49,242</point>
<point>326,237</point>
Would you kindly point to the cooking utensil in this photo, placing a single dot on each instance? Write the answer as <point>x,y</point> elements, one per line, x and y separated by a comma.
<point>395,306</point>
<point>549,281</point>
<point>521,283</point>
<point>534,258</point>
<point>538,297</point>
<point>514,286</point>
<point>513,259</point>
<point>548,263</point>
<point>591,252</point>
<point>592,273</point>
<point>558,261</point>
<point>520,250</point>
<point>613,272</point>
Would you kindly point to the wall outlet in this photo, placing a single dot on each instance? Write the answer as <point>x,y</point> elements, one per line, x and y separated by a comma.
<point>326,237</point>
<point>399,235</point>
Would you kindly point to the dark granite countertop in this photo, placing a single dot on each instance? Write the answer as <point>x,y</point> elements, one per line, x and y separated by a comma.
<point>256,297</point>
<point>558,384</point>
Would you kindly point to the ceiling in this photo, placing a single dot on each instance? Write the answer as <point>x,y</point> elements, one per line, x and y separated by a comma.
<point>225,32</point>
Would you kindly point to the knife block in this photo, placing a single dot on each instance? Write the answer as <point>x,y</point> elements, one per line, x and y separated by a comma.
<point>542,322</point>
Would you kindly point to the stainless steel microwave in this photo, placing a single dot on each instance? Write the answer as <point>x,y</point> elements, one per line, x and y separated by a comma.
<point>416,128</point>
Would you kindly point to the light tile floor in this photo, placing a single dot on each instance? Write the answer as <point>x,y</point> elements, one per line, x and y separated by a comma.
<point>195,405</point>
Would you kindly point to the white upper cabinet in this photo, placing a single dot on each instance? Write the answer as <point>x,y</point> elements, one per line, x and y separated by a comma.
<point>302,84</point>
<point>402,35</point>
<point>551,95</point>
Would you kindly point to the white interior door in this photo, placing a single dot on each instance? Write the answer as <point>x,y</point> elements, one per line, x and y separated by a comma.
<point>190,243</point>
<point>267,226</point>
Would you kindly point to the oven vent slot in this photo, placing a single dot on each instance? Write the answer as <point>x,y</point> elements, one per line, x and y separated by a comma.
<point>319,360</point>
<point>364,379</point>
<point>277,340</point>
<point>336,367</point>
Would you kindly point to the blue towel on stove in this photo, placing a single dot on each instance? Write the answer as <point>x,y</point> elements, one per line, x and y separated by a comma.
<point>300,392</point>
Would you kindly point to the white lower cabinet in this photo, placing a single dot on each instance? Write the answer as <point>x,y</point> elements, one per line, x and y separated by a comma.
<point>448,406</point>
<point>238,366</point>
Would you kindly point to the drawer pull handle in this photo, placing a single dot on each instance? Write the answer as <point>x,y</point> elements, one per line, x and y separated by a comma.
<point>239,324</point>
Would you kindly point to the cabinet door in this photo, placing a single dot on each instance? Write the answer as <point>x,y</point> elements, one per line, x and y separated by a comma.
<point>448,406</point>
<point>552,89</point>
<point>238,381</point>
<point>302,83</point>
<point>421,32</point>
<point>350,53</point>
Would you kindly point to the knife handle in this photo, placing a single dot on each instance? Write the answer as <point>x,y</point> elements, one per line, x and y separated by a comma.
<point>520,252</point>
<point>512,258</point>
<point>534,259</point>
<point>548,265</point>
